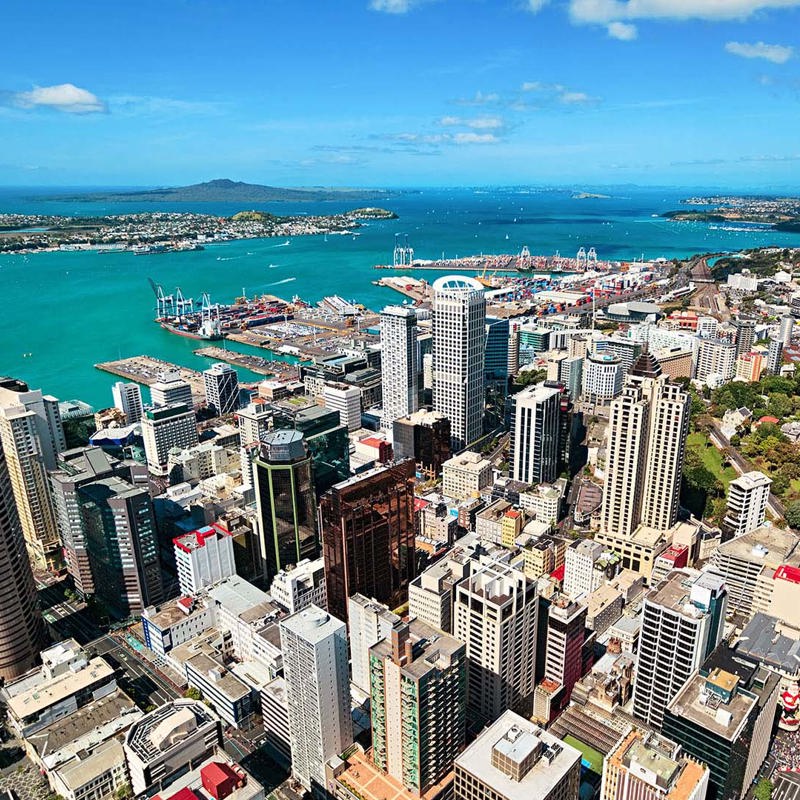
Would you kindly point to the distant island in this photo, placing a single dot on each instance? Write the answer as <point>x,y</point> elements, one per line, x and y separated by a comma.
<point>590,196</point>
<point>168,232</point>
<point>223,190</point>
<point>779,213</point>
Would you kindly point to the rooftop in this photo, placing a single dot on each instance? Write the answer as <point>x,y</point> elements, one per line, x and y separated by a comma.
<point>166,727</point>
<point>694,702</point>
<point>91,764</point>
<point>35,700</point>
<point>517,739</point>
<point>766,640</point>
<point>236,595</point>
<point>313,624</point>
<point>767,545</point>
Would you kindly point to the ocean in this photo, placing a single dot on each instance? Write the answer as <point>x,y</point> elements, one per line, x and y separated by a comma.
<point>65,312</point>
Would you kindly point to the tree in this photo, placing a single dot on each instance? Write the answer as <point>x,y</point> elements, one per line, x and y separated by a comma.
<point>124,792</point>
<point>793,514</point>
<point>193,693</point>
<point>763,790</point>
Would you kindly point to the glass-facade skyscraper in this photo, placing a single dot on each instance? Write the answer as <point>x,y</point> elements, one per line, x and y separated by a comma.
<point>285,501</point>
<point>368,536</point>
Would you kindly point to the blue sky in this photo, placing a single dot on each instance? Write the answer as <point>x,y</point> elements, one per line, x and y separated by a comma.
<point>401,92</point>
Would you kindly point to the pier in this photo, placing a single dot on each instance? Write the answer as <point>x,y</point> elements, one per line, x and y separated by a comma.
<point>145,371</point>
<point>278,369</point>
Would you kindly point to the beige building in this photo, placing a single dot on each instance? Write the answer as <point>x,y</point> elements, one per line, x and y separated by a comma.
<point>676,361</point>
<point>465,475</point>
<point>645,766</point>
<point>31,436</point>
<point>645,444</point>
<point>515,759</point>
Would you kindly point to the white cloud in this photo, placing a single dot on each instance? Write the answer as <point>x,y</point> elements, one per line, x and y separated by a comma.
<point>623,31</point>
<point>475,138</point>
<point>606,11</point>
<point>64,97</point>
<point>447,121</point>
<point>480,99</point>
<point>575,98</point>
<point>535,5</point>
<point>776,53</point>
<point>484,123</point>
<point>394,6</point>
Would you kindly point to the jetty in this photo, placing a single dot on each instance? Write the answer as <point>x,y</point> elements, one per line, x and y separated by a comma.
<point>281,370</point>
<point>145,370</point>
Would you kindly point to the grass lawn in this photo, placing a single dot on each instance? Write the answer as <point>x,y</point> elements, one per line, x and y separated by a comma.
<point>594,757</point>
<point>711,458</point>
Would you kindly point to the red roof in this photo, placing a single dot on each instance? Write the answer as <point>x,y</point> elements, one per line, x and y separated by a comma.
<point>558,573</point>
<point>372,441</point>
<point>183,794</point>
<point>787,573</point>
<point>773,420</point>
<point>219,779</point>
<point>419,503</point>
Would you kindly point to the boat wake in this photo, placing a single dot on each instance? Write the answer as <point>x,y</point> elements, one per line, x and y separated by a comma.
<point>272,266</point>
<point>285,280</point>
<point>229,258</point>
<point>282,244</point>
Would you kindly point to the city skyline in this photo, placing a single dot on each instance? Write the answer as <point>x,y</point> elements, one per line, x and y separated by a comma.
<point>402,93</point>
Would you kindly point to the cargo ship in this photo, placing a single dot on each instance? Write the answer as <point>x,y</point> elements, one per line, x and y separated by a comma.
<point>205,332</point>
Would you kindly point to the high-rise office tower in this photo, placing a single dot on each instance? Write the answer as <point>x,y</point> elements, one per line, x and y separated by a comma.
<point>682,622</point>
<point>170,388</point>
<point>254,421</point>
<point>164,428</point>
<point>748,496</point>
<point>399,368</point>
<point>494,614</point>
<point>22,632</point>
<point>425,437</point>
<point>76,468</point>
<point>646,442</point>
<point>418,707</point>
<point>122,544</point>
<point>566,634</point>
<point>203,557</point>
<point>745,335</point>
<point>459,339</point>
<point>367,526</point>
<point>31,435</point>
<point>535,434</point>
<point>786,329</point>
<point>285,501</point>
<point>368,623</point>
<point>314,645</point>
<point>128,399</point>
<point>774,356</point>
<point>602,377</point>
<point>222,388</point>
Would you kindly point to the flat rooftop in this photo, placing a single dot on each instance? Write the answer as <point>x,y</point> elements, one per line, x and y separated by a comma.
<point>431,649</point>
<point>366,781</point>
<point>112,713</point>
<point>92,764</point>
<point>236,595</point>
<point>697,705</point>
<point>767,545</point>
<point>765,640</point>
<point>38,698</point>
<point>543,776</point>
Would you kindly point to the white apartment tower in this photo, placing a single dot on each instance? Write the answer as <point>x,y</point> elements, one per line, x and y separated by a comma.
<point>31,436</point>
<point>494,614</point>
<point>747,503</point>
<point>682,622</point>
<point>346,400</point>
<point>203,557</point>
<point>646,442</point>
<point>370,621</point>
<point>535,434</point>
<point>164,428</point>
<point>399,367</point>
<point>222,388</point>
<point>171,388</point>
<point>128,399</point>
<point>459,338</point>
<point>314,648</point>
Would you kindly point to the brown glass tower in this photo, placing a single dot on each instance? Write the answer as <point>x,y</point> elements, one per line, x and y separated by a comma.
<point>21,626</point>
<point>367,527</point>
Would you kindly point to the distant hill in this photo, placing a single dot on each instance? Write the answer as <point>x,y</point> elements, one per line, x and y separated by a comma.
<point>224,190</point>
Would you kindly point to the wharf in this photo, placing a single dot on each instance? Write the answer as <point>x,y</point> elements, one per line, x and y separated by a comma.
<point>278,369</point>
<point>145,370</point>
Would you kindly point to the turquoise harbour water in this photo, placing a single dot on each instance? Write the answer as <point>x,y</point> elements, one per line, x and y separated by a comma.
<point>64,312</point>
